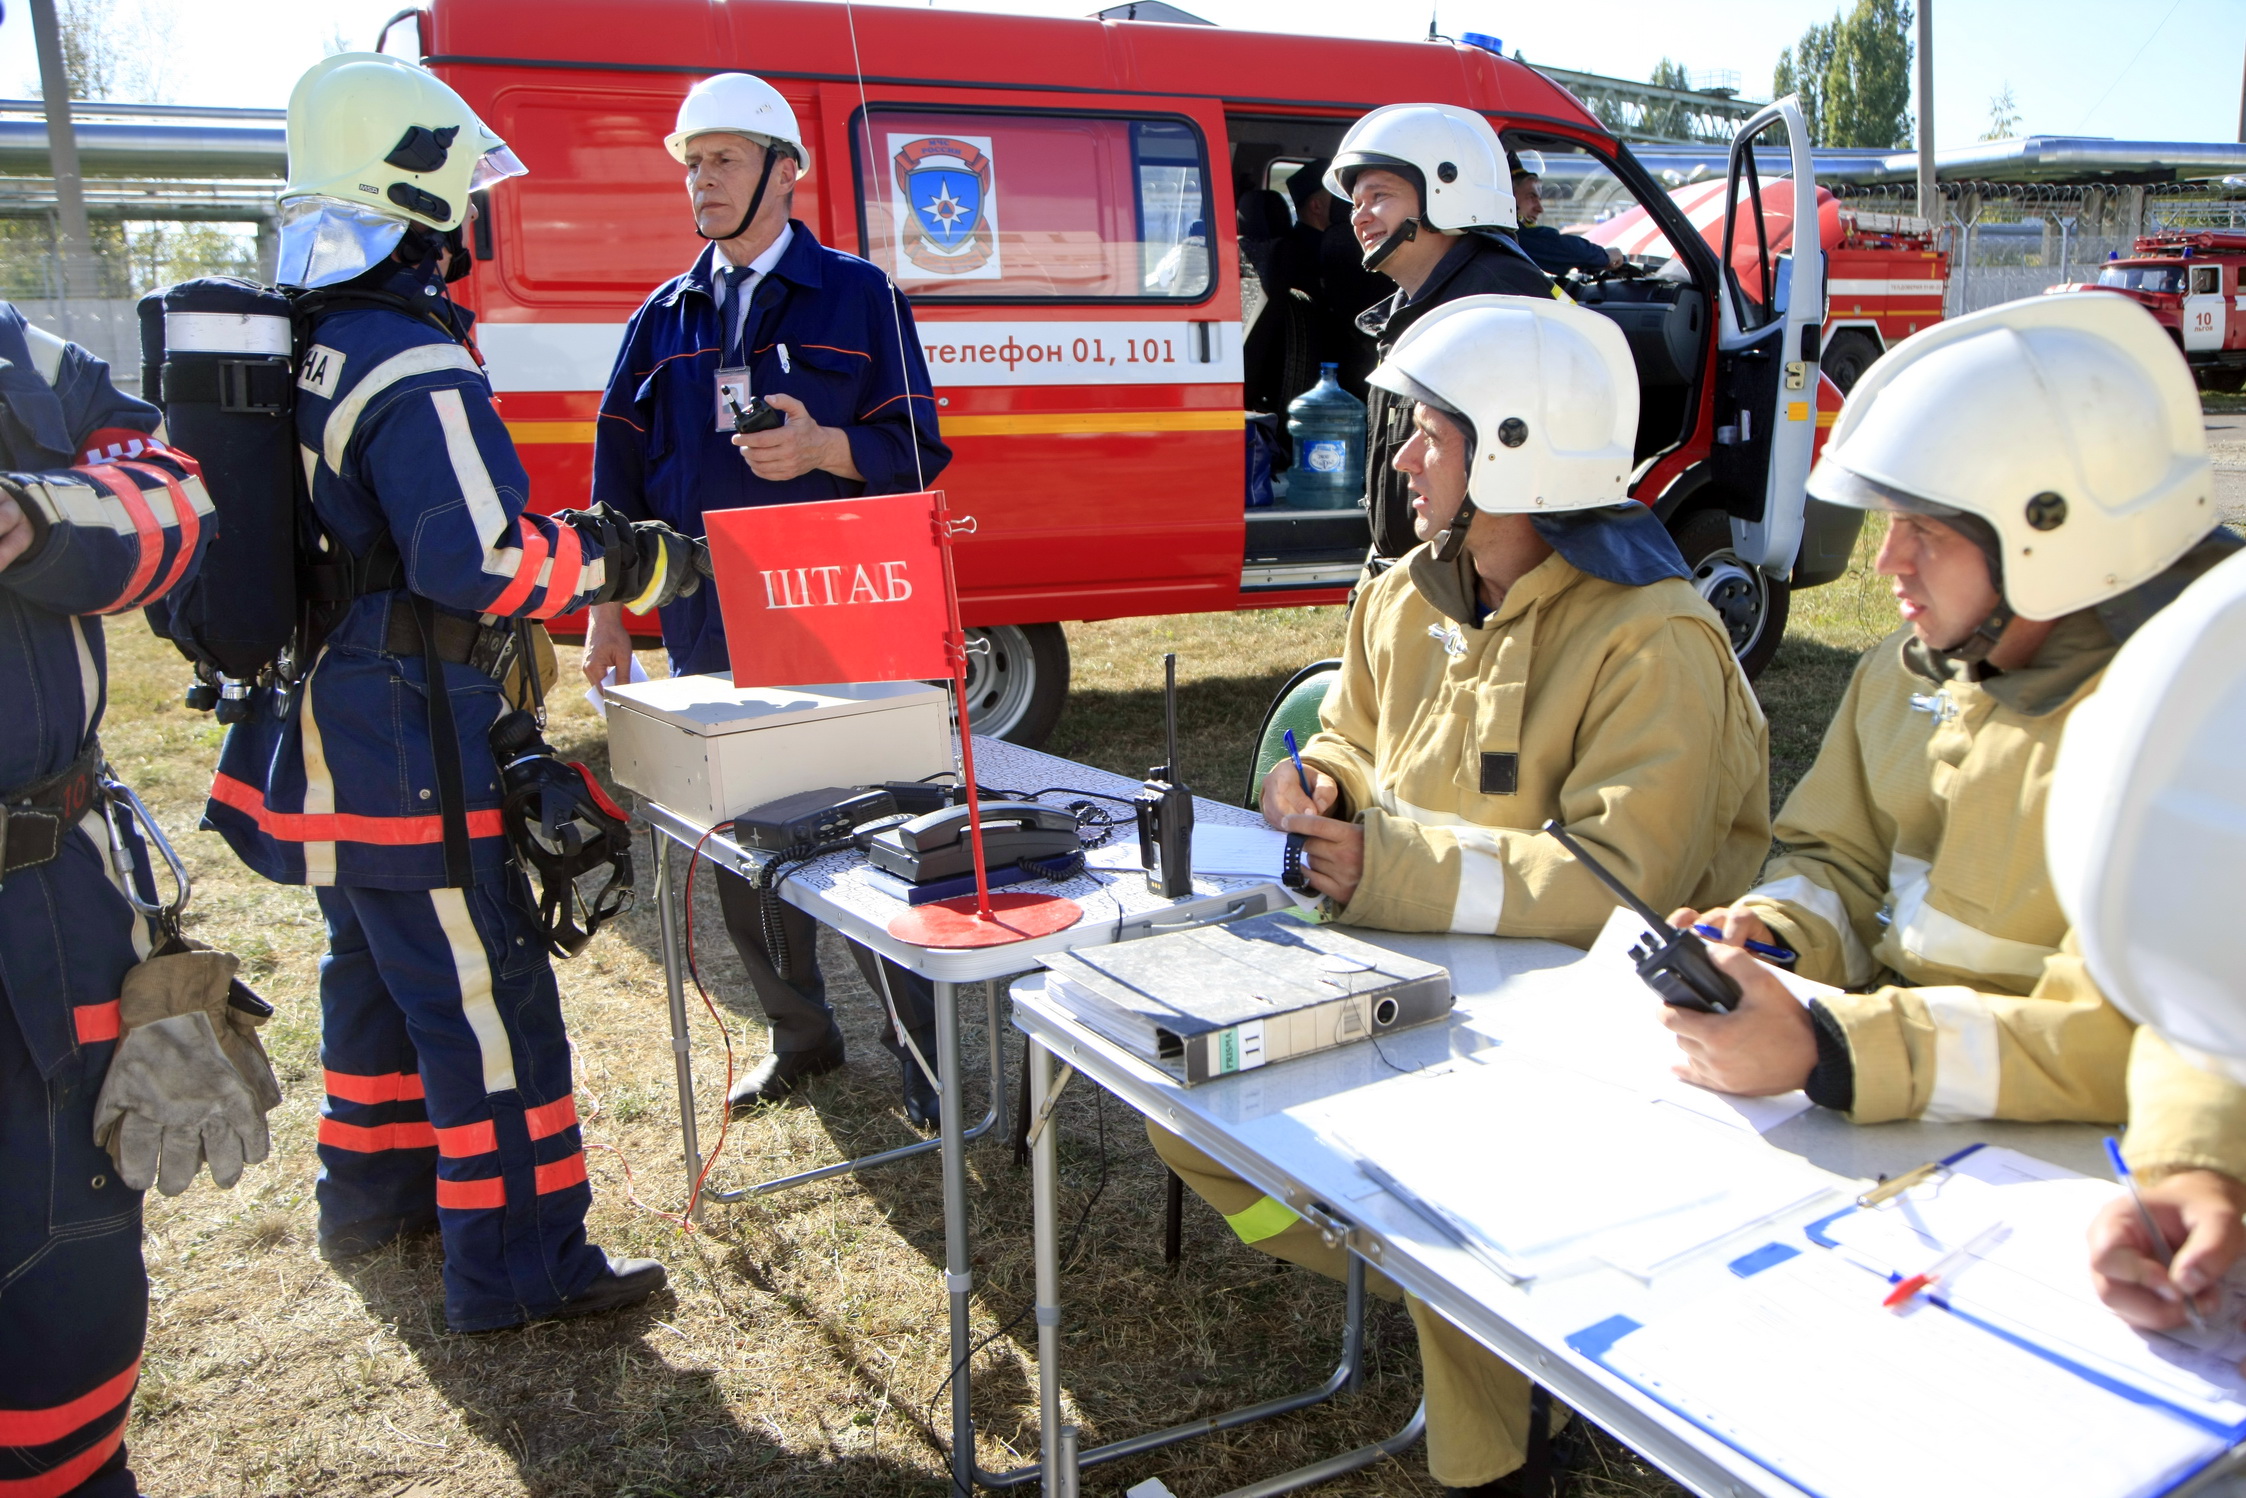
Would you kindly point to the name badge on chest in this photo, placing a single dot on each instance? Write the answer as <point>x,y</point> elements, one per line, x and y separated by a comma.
<point>732,390</point>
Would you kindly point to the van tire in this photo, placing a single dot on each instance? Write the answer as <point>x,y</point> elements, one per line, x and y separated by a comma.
<point>1751,604</point>
<point>1017,681</point>
<point>1846,358</point>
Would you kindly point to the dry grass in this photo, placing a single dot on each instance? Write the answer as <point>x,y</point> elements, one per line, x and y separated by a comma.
<point>802,1339</point>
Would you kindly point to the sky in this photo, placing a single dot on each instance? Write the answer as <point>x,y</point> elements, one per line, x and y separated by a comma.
<point>2131,69</point>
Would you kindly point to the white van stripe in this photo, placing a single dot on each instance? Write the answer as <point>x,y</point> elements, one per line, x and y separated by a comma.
<point>1968,1057</point>
<point>343,420</point>
<point>473,966</point>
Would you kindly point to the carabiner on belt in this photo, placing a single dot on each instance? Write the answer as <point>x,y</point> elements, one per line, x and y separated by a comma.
<point>118,794</point>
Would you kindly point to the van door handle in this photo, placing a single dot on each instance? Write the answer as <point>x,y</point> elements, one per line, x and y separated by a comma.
<point>1201,346</point>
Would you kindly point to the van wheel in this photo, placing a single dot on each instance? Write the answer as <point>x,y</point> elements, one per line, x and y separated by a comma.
<point>1846,358</point>
<point>1017,679</point>
<point>1751,603</point>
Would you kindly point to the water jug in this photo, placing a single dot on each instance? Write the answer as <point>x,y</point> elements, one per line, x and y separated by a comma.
<point>1328,426</point>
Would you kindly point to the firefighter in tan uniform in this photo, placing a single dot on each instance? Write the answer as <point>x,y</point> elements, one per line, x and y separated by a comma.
<point>1540,656</point>
<point>2045,473</point>
<point>2147,835</point>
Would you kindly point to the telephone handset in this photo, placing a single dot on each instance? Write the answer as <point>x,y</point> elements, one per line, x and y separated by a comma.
<point>939,845</point>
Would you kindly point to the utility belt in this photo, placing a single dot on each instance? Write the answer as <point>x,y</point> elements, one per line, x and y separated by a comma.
<point>35,818</point>
<point>492,649</point>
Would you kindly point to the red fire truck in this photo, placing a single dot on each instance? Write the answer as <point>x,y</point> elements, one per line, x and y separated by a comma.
<point>1089,369</point>
<point>1884,277</point>
<point>2189,281</point>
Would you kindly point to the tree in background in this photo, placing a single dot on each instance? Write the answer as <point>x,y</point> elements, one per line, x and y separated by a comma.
<point>2004,116</point>
<point>1854,76</point>
<point>1669,119</point>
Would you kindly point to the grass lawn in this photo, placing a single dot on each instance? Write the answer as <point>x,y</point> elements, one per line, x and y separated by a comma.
<point>800,1349</point>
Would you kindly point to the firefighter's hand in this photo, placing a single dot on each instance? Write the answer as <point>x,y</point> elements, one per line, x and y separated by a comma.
<point>2197,1209</point>
<point>608,645</point>
<point>1333,851</point>
<point>1739,927</point>
<point>1614,257</point>
<point>15,530</point>
<point>666,566</point>
<point>1283,797</point>
<point>1766,1046</point>
<point>797,447</point>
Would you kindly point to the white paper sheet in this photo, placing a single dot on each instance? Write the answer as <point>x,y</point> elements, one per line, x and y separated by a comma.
<point>1798,1367</point>
<point>594,694</point>
<point>1239,852</point>
<point>2036,1283</point>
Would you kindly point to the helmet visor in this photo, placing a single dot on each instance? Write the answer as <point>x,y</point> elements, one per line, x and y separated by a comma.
<point>495,166</point>
<point>324,241</point>
<point>1832,483</point>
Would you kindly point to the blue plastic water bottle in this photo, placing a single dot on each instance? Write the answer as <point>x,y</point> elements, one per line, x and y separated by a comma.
<point>1328,427</point>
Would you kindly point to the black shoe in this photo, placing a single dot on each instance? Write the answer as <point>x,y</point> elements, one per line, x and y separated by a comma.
<point>625,1282</point>
<point>923,1110</point>
<point>782,1072</point>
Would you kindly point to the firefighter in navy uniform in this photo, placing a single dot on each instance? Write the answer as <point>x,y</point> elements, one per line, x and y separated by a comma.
<point>447,1072</point>
<point>96,516</point>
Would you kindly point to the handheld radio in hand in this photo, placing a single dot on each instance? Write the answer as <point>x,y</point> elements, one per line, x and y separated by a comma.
<point>758,418</point>
<point>1674,964</point>
<point>1165,808</point>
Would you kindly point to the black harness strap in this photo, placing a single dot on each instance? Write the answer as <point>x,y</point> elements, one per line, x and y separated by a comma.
<point>444,746</point>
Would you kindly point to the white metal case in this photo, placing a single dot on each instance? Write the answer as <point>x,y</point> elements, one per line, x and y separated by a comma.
<point>710,750</point>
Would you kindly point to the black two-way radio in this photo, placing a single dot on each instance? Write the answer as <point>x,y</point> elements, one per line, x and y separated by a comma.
<point>1165,808</point>
<point>1674,964</point>
<point>759,417</point>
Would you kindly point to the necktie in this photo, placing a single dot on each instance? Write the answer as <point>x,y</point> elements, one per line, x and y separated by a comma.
<point>738,289</point>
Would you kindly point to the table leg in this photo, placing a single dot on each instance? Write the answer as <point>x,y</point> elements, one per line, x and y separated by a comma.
<point>958,1277</point>
<point>674,981</point>
<point>1044,1189</point>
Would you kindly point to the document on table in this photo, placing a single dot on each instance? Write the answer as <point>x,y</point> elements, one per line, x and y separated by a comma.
<point>1535,1170</point>
<point>1238,852</point>
<point>1597,1017</point>
<point>2035,1285</point>
<point>1795,1365</point>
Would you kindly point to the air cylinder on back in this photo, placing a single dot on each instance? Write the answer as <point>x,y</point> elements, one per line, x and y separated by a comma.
<point>228,401</point>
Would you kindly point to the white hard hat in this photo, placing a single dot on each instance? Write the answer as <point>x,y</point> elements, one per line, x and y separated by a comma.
<point>1548,388</point>
<point>383,138</point>
<point>1451,154</point>
<point>2145,828</point>
<point>739,104</point>
<point>2069,424</point>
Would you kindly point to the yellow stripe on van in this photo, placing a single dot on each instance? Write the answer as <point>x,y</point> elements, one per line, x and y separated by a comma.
<point>551,431</point>
<point>1089,423</point>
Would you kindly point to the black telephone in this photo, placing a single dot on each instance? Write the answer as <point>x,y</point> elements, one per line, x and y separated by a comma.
<point>939,846</point>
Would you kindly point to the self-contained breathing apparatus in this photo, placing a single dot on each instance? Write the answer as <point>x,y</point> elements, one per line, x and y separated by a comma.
<point>220,357</point>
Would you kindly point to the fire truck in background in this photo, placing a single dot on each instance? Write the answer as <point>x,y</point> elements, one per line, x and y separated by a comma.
<point>1089,364</point>
<point>2189,281</point>
<point>1884,277</point>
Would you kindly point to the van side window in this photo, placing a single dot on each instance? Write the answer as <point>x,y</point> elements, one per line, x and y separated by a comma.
<point>1001,206</point>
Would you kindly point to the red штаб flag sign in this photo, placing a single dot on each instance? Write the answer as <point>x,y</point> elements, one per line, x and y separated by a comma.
<point>839,590</point>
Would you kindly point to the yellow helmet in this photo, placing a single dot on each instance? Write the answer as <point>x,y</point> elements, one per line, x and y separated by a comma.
<point>380,134</point>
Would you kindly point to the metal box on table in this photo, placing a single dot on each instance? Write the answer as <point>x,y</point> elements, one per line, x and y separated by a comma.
<point>710,750</point>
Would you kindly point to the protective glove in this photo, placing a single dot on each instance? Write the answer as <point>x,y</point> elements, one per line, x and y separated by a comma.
<point>189,1082</point>
<point>649,564</point>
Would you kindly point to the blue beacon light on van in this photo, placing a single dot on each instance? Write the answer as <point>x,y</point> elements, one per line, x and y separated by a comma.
<point>1483,40</point>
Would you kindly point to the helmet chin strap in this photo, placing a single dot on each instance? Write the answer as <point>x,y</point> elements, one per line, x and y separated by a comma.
<point>1406,232</point>
<point>1972,652</point>
<point>756,200</point>
<point>1452,538</point>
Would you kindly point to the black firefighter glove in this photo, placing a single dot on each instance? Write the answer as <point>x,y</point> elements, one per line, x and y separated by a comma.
<point>649,564</point>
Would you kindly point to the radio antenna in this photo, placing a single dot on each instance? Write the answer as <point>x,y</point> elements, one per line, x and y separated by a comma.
<point>1170,717</point>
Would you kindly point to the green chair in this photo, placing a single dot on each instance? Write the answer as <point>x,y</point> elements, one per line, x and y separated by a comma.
<point>1295,707</point>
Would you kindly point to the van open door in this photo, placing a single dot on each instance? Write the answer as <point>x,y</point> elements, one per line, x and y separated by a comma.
<point>1770,320</point>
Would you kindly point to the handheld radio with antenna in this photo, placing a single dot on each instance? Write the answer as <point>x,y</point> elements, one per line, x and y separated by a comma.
<point>1165,808</point>
<point>1674,964</point>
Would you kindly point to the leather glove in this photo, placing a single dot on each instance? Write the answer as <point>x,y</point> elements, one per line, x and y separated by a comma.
<point>189,1082</point>
<point>649,564</point>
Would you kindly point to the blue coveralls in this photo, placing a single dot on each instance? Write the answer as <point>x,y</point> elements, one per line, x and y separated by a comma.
<point>446,1066</point>
<point>830,330</point>
<point>125,525</point>
<point>1557,253</point>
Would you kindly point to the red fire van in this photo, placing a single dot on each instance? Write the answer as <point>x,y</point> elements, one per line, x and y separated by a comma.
<point>1089,368</point>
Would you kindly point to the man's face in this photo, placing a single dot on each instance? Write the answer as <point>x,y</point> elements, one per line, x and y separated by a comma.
<point>1433,462</point>
<point>1528,198</point>
<point>1316,209</point>
<point>721,173</point>
<point>1380,202</point>
<point>1941,579</point>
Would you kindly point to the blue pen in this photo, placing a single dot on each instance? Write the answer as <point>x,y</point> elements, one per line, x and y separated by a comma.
<point>2161,1250</point>
<point>1783,956</point>
<point>1302,775</point>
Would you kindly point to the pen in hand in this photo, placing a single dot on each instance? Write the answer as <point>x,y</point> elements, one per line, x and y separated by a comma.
<point>2161,1250</point>
<point>1302,776</point>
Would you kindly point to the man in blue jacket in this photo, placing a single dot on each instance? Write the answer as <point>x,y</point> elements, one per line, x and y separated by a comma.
<point>97,516</point>
<point>824,338</point>
<point>1555,253</point>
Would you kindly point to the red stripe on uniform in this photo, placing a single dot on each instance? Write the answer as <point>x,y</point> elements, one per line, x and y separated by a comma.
<point>43,1427</point>
<point>190,528</point>
<point>408,1134</point>
<point>471,1195</point>
<point>389,1087</point>
<point>549,1119</point>
<point>344,827</point>
<point>562,1174</point>
<point>59,1480</point>
<point>532,557</point>
<point>96,1022</point>
<point>463,1140</point>
<point>150,534</point>
<point>569,565</point>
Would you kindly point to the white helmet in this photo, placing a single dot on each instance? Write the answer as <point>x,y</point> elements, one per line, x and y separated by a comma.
<point>739,104</point>
<point>2145,829</point>
<point>1547,390</point>
<point>1451,154</point>
<point>2068,425</point>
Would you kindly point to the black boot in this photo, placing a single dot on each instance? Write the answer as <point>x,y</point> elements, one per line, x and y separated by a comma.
<point>783,1071</point>
<point>625,1282</point>
<point>923,1109</point>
